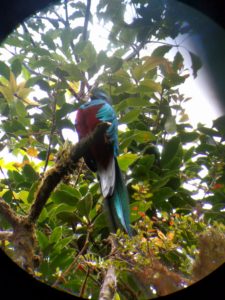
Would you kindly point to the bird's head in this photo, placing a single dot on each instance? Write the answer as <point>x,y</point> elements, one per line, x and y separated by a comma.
<point>97,93</point>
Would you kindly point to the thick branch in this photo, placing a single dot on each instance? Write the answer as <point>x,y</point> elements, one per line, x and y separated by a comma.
<point>64,166</point>
<point>6,235</point>
<point>8,213</point>
<point>108,289</point>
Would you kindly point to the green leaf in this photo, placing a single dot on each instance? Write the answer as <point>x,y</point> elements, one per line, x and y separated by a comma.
<point>114,63</point>
<point>219,124</point>
<point>130,116</point>
<point>170,125</point>
<point>4,70</point>
<point>161,196</point>
<point>64,110</point>
<point>73,71</point>
<point>188,137</point>
<point>32,192</point>
<point>116,296</point>
<point>170,151</point>
<point>63,260</point>
<point>178,61</point>
<point>137,208</point>
<point>62,196</point>
<point>42,240</point>
<point>161,50</point>
<point>151,85</point>
<point>46,38</point>
<point>140,136</point>
<point>101,221</point>
<point>56,235</point>
<point>125,160</point>
<point>20,109</point>
<point>16,67</point>
<point>208,131</point>
<point>84,205</point>
<point>196,63</point>
<point>41,51</point>
<point>132,102</point>
<point>29,173</point>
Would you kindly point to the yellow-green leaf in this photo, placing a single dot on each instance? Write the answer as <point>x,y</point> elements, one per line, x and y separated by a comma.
<point>125,160</point>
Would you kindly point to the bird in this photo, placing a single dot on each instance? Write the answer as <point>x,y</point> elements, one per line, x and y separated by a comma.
<point>101,157</point>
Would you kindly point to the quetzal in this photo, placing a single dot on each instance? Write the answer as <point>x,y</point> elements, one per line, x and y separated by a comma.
<point>102,157</point>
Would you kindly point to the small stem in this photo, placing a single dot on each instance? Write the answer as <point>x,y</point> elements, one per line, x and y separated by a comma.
<point>86,20</point>
<point>82,291</point>
<point>52,131</point>
<point>74,262</point>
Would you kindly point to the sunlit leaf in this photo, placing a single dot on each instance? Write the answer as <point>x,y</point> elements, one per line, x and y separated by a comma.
<point>125,160</point>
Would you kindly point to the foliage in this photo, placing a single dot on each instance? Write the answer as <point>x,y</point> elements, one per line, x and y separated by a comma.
<point>52,65</point>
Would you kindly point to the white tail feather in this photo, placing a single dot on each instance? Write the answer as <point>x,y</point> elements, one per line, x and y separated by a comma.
<point>107,178</point>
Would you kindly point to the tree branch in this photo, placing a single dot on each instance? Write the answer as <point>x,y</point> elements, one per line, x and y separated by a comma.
<point>108,289</point>
<point>6,235</point>
<point>65,164</point>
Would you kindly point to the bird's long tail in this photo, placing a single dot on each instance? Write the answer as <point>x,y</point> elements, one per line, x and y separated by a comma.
<point>117,205</point>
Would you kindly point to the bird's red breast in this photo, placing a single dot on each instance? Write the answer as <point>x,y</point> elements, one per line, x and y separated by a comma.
<point>86,121</point>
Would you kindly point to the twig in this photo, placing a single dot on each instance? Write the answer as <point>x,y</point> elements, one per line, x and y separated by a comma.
<point>86,20</point>
<point>74,262</point>
<point>52,131</point>
<point>82,291</point>
<point>85,37</point>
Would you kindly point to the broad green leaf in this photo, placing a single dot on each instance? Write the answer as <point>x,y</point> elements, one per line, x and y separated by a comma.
<point>46,38</point>
<point>130,116</point>
<point>132,102</point>
<point>151,85</point>
<point>161,50</point>
<point>56,235</point>
<point>16,67</point>
<point>140,136</point>
<point>32,192</point>
<point>138,209</point>
<point>125,160</point>
<point>71,190</point>
<point>101,221</point>
<point>61,196</point>
<point>208,131</point>
<point>41,51</point>
<point>4,70</point>
<point>116,297</point>
<point>73,71</point>
<point>84,205</point>
<point>29,173</point>
<point>63,260</point>
<point>170,151</point>
<point>178,61</point>
<point>188,137</point>
<point>20,109</point>
<point>219,124</point>
<point>42,240</point>
<point>170,125</point>
<point>43,216</point>
<point>161,197</point>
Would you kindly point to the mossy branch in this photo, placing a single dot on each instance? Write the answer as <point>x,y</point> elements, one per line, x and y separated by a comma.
<point>23,235</point>
<point>65,165</point>
<point>108,289</point>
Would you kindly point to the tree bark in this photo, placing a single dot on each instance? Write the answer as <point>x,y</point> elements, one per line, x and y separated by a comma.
<point>108,289</point>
